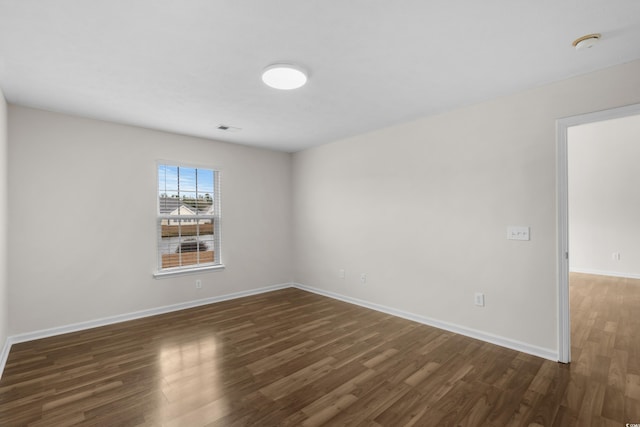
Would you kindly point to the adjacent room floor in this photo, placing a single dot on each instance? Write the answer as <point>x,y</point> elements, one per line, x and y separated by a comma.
<point>291,357</point>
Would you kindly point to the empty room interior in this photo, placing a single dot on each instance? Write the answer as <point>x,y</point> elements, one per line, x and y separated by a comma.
<point>316,213</point>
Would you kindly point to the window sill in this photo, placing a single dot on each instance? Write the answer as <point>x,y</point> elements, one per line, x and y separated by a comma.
<point>165,274</point>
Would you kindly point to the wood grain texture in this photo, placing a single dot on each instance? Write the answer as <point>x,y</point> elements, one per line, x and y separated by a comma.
<point>292,358</point>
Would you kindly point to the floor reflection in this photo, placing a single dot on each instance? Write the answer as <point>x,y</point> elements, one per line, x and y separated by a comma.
<point>191,384</point>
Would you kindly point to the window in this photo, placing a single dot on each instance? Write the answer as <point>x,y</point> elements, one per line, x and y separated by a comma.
<point>188,219</point>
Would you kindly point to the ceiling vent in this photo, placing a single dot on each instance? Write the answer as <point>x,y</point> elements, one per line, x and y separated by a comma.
<point>228,128</point>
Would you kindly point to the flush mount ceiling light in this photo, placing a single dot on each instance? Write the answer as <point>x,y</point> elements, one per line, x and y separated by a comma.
<point>284,76</point>
<point>585,42</point>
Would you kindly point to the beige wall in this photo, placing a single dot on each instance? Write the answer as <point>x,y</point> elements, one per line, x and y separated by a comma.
<point>82,219</point>
<point>4,301</point>
<point>422,208</point>
<point>604,197</point>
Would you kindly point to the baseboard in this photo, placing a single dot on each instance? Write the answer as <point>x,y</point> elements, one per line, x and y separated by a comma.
<point>45,333</point>
<point>545,353</point>
<point>605,273</point>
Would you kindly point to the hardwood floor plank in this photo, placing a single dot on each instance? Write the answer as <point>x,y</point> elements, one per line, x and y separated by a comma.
<point>631,409</point>
<point>483,405</point>
<point>565,417</point>
<point>616,377</point>
<point>422,374</point>
<point>613,404</point>
<point>298,379</point>
<point>456,402</point>
<point>327,413</point>
<point>632,387</point>
<point>402,411</point>
<point>330,398</point>
<point>552,389</point>
<point>592,403</point>
<point>368,406</point>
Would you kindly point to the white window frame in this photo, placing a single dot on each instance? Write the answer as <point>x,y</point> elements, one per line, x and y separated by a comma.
<point>215,217</point>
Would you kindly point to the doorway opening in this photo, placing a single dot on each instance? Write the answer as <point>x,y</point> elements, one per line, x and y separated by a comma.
<point>563,253</point>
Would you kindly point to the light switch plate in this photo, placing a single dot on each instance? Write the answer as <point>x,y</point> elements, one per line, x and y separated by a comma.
<point>516,232</point>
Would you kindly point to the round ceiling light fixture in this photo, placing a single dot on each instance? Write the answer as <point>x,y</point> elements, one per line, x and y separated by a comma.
<point>585,42</point>
<point>284,76</point>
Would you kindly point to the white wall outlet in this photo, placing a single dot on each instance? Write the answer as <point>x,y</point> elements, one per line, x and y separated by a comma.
<point>198,284</point>
<point>341,273</point>
<point>615,256</point>
<point>517,232</point>
<point>363,278</point>
<point>479,299</point>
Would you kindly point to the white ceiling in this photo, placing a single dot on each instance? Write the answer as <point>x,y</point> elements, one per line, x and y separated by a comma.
<point>187,66</point>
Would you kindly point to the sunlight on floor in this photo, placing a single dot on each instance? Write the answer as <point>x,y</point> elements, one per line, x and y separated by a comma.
<point>191,382</point>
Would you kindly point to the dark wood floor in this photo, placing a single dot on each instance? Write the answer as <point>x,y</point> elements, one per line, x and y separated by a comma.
<point>294,358</point>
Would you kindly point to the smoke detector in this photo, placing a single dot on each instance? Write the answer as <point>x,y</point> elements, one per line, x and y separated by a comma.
<point>586,42</point>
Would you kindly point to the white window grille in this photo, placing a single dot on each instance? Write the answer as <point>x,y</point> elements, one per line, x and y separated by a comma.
<point>188,218</point>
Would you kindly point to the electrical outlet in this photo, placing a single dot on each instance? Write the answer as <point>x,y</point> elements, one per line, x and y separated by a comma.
<point>479,299</point>
<point>363,278</point>
<point>341,273</point>
<point>615,256</point>
<point>198,284</point>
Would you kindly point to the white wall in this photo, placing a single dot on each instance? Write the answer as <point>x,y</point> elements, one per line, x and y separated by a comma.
<point>4,277</point>
<point>82,209</point>
<point>423,207</point>
<point>604,197</point>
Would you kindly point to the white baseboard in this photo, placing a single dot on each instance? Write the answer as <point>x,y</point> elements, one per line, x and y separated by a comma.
<point>545,353</point>
<point>605,273</point>
<point>45,333</point>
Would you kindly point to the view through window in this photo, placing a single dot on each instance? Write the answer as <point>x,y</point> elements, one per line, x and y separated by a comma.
<point>188,217</point>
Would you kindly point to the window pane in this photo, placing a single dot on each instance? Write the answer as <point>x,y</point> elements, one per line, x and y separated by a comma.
<point>207,242</point>
<point>189,203</point>
<point>168,179</point>
<point>206,227</point>
<point>169,246</point>
<point>168,204</point>
<point>205,181</point>
<point>205,190</point>
<point>187,180</point>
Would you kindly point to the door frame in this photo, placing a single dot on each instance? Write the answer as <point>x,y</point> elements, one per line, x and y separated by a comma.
<point>562,191</point>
